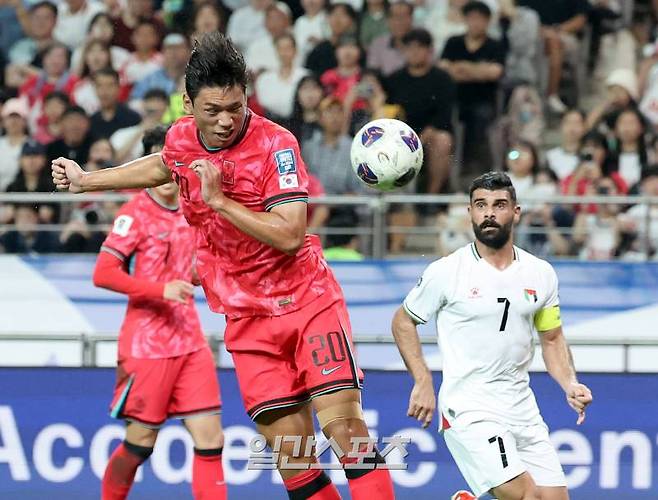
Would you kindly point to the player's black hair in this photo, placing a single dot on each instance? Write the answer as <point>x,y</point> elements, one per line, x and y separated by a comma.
<point>418,35</point>
<point>107,71</point>
<point>476,6</point>
<point>154,137</point>
<point>493,181</point>
<point>214,62</point>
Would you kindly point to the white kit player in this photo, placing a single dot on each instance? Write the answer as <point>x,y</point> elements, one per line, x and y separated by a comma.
<point>488,298</point>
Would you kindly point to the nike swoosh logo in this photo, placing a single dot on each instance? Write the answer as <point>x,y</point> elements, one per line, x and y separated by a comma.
<point>179,163</point>
<point>330,371</point>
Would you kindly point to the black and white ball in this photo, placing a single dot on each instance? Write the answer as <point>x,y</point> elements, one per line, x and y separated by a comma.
<point>386,154</point>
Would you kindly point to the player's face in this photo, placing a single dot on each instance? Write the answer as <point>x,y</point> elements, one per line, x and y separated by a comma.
<point>219,114</point>
<point>493,215</point>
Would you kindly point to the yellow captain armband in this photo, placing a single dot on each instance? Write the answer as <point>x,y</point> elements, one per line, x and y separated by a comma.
<point>547,319</point>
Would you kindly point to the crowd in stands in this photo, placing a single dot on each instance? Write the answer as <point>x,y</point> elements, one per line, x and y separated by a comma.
<point>562,94</point>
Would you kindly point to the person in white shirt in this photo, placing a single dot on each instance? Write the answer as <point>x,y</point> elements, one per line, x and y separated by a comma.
<point>248,23</point>
<point>261,54</point>
<point>489,298</point>
<point>13,119</point>
<point>564,158</point>
<point>312,27</point>
<point>73,19</point>
<point>275,89</point>
<point>631,148</point>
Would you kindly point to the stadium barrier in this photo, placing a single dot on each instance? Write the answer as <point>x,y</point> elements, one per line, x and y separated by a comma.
<point>373,210</point>
<point>55,438</point>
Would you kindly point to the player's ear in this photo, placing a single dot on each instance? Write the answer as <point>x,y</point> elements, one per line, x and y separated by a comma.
<point>187,103</point>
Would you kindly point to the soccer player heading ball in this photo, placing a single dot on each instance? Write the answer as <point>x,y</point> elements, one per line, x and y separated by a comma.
<point>488,299</point>
<point>243,189</point>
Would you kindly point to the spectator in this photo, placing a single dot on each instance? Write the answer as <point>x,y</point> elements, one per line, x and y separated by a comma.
<point>371,91</point>
<point>475,62</point>
<point>146,59</point>
<point>112,114</point>
<point>175,54</point>
<point>75,141</point>
<point>101,155</point>
<point>102,29</point>
<point>630,151</point>
<point>327,152</point>
<point>343,247</point>
<point>128,141</point>
<point>562,21</point>
<point>521,30</point>
<point>49,127</point>
<point>342,21</point>
<point>444,21</point>
<point>95,57</point>
<point>34,177</point>
<point>275,89</point>
<point>129,19</point>
<point>373,21</point>
<point>14,123</point>
<point>522,164</point>
<point>426,93</point>
<point>595,164</point>
<point>262,54</point>
<point>340,81</point>
<point>639,225</point>
<point>622,92</point>
<point>311,28</point>
<point>248,23</point>
<point>54,76</point>
<point>563,159</point>
<point>305,120</point>
<point>386,53</point>
<point>208,17</point>
<point>25,238</point>
<point>26,52</point>
<point>73,20</point>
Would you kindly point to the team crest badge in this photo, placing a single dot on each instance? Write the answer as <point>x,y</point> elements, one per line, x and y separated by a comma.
<point>530,295</point>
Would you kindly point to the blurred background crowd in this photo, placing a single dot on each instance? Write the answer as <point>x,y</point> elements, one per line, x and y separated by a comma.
<point>562,94</point>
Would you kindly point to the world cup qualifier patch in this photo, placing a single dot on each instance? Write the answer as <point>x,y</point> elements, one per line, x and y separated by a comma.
<point>285,161</point>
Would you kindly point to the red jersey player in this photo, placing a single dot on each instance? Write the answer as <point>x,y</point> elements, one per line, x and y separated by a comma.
<point>165,367</point>
<point>243,187</point>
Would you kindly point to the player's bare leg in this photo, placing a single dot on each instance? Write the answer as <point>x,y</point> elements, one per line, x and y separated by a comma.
<point>207,471</point>
<point>301,483</point>
<point>126,458</point>
<point>341,418</point>
<point>522,487</point>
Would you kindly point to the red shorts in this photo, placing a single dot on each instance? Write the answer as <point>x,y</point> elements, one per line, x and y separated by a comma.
<point>149,391</point>
<point>285,360</point>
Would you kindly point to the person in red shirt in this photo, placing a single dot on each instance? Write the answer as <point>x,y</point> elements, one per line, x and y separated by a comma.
<point>243,187</point>
<point>165,366</point>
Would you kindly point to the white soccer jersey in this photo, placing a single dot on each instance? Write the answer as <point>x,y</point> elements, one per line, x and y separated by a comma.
<point>485,321</point>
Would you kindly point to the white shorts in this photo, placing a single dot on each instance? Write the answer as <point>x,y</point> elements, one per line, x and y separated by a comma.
<point>489,454</point>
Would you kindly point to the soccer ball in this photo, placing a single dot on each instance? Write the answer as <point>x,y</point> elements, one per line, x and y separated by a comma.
<point>386,154</point>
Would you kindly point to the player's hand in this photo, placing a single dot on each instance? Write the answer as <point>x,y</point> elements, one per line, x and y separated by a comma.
<point>578,397</point>
<point>211,182</point>
<point>178,291</point>
<point>422,402</point>
<point>67,175</point>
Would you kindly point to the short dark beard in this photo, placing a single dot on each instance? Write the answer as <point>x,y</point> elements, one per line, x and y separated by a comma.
<point>495,240</point>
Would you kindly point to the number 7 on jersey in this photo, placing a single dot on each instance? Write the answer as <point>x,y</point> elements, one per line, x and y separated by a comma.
<point>503,322</point>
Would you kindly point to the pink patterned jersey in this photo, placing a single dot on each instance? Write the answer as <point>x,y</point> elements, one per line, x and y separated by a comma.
<point>263,169</point>
<point>157,245</point>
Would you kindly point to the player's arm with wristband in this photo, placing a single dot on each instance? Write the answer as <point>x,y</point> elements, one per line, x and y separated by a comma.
<point>557,354</point>
<point>148,171</point>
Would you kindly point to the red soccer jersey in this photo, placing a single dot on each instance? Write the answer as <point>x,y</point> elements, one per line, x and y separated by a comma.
<point>158,246</point>
<point>240,275</point>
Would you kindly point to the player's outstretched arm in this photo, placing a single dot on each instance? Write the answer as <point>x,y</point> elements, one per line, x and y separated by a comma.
<point>422,401</point>
<point>148,171</point>
<point>283,228</point>
<point>559,363</point>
